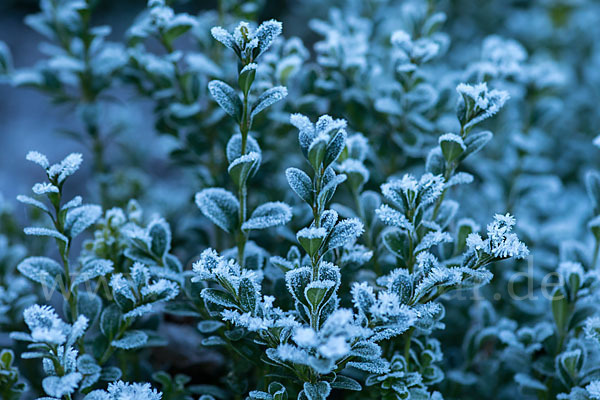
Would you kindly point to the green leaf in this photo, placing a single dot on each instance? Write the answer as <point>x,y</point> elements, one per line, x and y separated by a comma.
<point>110,320</point>
<point>452,146</point>
<point>160,237</point>
<point>316,152</point>
<point>318,292</point>
<point>246,77</point>
<point>397,242</point>
<point>560,309</point>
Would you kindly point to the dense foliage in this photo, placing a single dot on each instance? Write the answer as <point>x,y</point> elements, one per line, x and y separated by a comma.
<point>390,207</point>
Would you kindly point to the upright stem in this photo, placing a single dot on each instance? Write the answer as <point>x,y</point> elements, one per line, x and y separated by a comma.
<point>242,237</point>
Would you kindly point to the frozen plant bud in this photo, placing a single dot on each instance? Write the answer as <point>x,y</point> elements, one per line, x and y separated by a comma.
<point>247,43</point>
<point>476,103</point>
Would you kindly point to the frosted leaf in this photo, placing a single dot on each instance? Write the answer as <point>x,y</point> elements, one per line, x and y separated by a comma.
<point>221,35</point>
<point>345,232</point>
<point>593,390</point>
<point>461,178</point>
<point>41,269</point>
<point>430,187</point>
<point>358,146</point>
<point>391,217</point>
<point>327,125</point>
<point>159,232</point>
<point>592,329</point>
<point>452,146</point>
<point>307,132</point>
<point>433,239</point>
<point>479,103</point>
<point>503,243</point>
<point>74,202</point>
<point>268,215</point>
<point>396,189</point>
<point>80,218</point>
<point>363,296</point>
<point>227,98</point>
<point>596,141</point>
<point>297,280</point>
<point>356,172</point>
<point>506,55</point>
<point>44,188</point>
<point>400,38</point>
<point>39,231</point>
<point>38,158</point>
<point>267,98</point>
<point>91,270</point>
<point>125,391</point>
<point>305,337</point>
<point>311,239</point>
<point>266,33</point>
<point>69,166</point>
<point>527,381</point>
<point>131,340</point>
<point>61,386</point>
<point>300,183</point>
<point>476,243</point>
<point>568,270</point>
<point>78,329</point>
<point>32,202</point>
<point>220,206</point>
<point>287,352</point>
<point>203,268</point>
<point>234,147</point>
<point>45,325</point>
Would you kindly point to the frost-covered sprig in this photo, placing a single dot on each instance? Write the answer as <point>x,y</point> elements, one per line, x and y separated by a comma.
<point>244,155</point>
<point>410,231</point>
<point>80,67</point>
<point>248,43</point>
<point>53,341</point>
<point>501,242</point>
<point>137,293</point>
<point>475,104</point>
<point>401,381</point>
<point>69,219</point>
<point>161,22</point>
